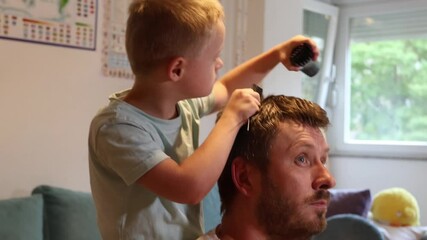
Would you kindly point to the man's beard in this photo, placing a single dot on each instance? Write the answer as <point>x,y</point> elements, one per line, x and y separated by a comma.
<point>282,219</point>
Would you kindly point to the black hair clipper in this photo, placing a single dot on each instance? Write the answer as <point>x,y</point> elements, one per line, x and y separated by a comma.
<point>302,56</point>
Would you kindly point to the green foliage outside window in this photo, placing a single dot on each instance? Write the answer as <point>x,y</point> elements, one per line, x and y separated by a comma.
<point>389,90</point>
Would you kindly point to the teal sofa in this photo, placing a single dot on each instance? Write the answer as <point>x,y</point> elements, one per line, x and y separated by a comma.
<point>53,213</point>
<point>50,213</point>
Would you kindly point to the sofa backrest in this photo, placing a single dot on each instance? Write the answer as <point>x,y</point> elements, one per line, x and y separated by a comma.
<point>21,218</point>
<point>68,214</point>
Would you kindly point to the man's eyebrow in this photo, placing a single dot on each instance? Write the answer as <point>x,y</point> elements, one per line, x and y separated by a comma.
<point>307,145</point>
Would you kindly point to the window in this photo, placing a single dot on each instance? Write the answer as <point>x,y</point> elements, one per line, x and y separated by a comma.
<point>320,24</point>
<point>382,81</point>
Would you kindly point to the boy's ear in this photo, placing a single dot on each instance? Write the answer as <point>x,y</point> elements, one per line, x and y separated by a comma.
<point>176,68</point>
<point>243,175</point>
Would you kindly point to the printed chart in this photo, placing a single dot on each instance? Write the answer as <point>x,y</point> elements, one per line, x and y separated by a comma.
<point>115,61</point>
<point>67,23</point>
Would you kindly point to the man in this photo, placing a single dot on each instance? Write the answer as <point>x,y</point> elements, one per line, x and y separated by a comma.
<point>275,182</point>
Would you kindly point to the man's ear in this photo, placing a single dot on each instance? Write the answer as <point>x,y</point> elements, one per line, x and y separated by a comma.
<point>176,68</point>
<point>243,176</point>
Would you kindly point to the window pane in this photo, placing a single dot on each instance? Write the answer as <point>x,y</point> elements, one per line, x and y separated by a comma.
<point>316,27</point>
<point>388,79</point>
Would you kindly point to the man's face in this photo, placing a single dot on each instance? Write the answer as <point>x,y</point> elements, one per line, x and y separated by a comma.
<point>293,193</point>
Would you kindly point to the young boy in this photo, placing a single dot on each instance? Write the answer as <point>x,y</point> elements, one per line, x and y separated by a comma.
<point>148,174</point>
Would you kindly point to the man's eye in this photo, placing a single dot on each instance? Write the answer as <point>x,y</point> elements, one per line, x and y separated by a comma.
<point>301,159</point>
<point>324,161</point>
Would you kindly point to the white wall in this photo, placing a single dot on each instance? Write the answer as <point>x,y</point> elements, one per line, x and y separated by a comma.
<point>48,97</point>
<point>283,20</point>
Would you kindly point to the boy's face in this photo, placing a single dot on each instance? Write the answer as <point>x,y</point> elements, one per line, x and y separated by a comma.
<point>201,71</point>
<point>293,195</point>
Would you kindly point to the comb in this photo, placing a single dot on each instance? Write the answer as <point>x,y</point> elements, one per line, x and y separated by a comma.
<point>257,89</point>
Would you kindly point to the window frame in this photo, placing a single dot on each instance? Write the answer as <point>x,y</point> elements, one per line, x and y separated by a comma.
<point>339,108</point>
<point>327,70</point>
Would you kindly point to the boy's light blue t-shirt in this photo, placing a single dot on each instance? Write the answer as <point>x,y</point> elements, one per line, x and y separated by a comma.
<point>125,143</point>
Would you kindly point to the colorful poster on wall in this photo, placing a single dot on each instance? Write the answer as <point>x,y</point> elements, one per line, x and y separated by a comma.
<point>115,61</point>
<point>67,23</point>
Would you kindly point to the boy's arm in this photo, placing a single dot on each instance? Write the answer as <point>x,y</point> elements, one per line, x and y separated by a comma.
<point>190,181</point>
<point>255,69</point>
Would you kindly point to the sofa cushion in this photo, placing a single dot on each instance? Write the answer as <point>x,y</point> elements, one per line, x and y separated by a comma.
<point>354,201</point>
<point>349,227</point>
<point>21,218</point>
<point>68,215</point>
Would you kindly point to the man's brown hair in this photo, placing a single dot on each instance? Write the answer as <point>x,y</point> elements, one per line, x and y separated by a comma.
<point>253,145</point>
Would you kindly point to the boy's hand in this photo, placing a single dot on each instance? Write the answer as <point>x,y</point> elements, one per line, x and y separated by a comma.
<point>242,104</point>
<point>285,50</point>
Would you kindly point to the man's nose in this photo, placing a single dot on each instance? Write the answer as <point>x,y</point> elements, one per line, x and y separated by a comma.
<point>323,179</point>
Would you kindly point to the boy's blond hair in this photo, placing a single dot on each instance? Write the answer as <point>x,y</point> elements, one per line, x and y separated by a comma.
<point>158,30</point>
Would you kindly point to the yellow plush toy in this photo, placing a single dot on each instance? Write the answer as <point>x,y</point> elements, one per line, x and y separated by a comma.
<point>395,207</point>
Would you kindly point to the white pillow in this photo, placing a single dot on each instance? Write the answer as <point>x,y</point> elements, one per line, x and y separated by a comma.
<point>402,233</point>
